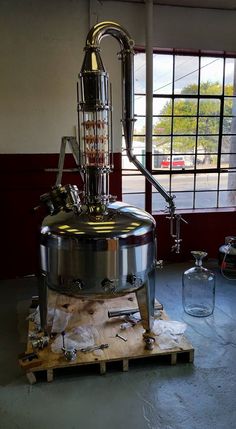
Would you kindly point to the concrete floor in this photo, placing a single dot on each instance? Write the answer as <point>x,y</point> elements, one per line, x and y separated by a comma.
<point>185,396</point>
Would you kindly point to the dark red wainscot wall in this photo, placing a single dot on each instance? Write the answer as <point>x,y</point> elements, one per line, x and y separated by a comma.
<point>204,231</point>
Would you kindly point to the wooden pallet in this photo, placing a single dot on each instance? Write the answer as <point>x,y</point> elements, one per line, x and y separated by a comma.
<point>95,313</point>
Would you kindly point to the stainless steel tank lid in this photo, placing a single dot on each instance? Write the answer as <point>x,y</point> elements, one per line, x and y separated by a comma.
<point>121,220</point>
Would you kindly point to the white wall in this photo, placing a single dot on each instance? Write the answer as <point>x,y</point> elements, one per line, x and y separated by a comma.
<point>41,52</point>
<point>174,27</point>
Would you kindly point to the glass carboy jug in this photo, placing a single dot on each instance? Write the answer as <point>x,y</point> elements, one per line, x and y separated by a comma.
<point>198,288</point>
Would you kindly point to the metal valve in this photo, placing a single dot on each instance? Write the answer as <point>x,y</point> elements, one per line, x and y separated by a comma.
<point>78,283</point>
<point>133,280</point>
<point>108,285</point>
<point>70,353</point>
<point>175,232</point>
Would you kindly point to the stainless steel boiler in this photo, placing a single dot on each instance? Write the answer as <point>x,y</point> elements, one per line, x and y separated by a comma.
<point>91,245</point>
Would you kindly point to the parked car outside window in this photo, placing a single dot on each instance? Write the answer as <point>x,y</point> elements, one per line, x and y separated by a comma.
<point>176,161</point>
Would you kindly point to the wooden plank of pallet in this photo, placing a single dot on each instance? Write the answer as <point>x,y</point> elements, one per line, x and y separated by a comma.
<point>95,313</point>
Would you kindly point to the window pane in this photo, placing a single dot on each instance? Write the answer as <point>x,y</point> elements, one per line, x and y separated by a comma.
<point>209,107</point>
<point>185,106</point>
<point>189,161</point>
<point>224,181</point>
<point>185,126</point>
<point>133,184</point>
<point>227,199</point>
<point>127,165</point>
<point>208,125</point>
<point>162,106</point>
<point>184,200</point>
<point>164,180</point>
<point>186,74</point>
<point>206,181</point>
<point>137,200</point>
<point>230,106</point>
<point>158,202</point>
<point>205,160</point>
<point>162,125</point>
<point>161,145</point>
<point>229,75</point>
<point>162,74</point>
<point>207,144</point>
<point>231,182</point>
<point>157,159</point>
<point>140,125</point>
<point>225,145</point>
<point>205,200</point>
<point>140,105</point>
<point>184,144</point>
<point>211,75</point>
<point>140,73</point>
<point>229,125</point>
<point>224,161</point>
<point>182,182</point>
<point>139,151</point>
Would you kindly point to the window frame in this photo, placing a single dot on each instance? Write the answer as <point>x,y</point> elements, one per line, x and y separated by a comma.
<point>195,171</point>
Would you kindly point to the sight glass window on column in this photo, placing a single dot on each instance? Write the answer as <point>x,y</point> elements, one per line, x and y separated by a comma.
<point>194,131</point>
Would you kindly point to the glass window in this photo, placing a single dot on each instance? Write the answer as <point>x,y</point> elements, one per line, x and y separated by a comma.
<point>194,131</point>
